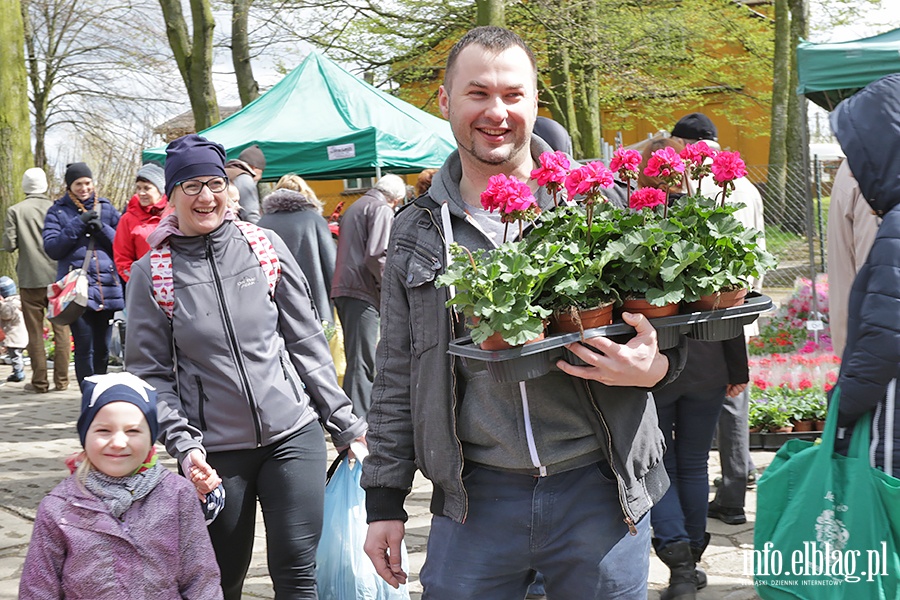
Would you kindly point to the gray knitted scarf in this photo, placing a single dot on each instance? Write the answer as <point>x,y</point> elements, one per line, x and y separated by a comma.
<point>119,493</point>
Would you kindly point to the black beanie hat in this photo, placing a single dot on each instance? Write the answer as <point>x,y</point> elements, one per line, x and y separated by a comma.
<point>100,390</point>
<point>695,126</point>
<point>192,156</point>
<point>76,171</point>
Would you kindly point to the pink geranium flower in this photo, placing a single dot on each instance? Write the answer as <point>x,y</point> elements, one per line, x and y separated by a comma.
<point>695,155</point>
<point>665,164</point>
<point>626,163</point>
<point>728,166</point>
<point>646,197</point>
<point>512,198</point>
<point>554,168</point>
<point>587,180</point>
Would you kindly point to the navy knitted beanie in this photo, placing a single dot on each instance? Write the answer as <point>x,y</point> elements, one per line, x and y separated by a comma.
<point>192,156</point>
<point>100,390</point>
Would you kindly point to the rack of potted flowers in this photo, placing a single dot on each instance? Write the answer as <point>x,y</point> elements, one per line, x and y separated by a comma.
<point>578,256</point>
<point>775,413</point>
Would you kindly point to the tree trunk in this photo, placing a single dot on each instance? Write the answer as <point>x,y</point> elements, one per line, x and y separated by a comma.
<point>588,114</point>
<point>15,126</point>
<point>248,88</point>
<point>797,190</point>
<point>777,178</point>
<point>562,101</point>
<point>39,98</point>
<point>194,57</point>
<point>491,12</point>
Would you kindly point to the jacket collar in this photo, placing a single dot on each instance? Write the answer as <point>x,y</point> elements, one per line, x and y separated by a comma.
<point>445,183</point>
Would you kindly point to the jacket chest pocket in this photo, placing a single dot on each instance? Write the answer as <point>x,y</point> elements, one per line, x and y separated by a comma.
<point>426,303</point>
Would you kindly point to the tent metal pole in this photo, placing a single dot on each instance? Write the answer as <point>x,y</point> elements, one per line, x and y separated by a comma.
<point>377,172</point>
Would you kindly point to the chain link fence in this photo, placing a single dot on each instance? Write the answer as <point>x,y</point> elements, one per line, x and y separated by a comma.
<point>796,218</point>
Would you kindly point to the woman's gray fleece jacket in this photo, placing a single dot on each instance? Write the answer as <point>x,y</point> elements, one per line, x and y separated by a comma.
<point>251,369</point>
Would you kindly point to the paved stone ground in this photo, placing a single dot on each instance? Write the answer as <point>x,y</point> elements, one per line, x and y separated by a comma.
<point>38,432</point>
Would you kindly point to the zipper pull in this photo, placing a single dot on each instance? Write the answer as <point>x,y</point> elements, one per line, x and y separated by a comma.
<point>631,528</point>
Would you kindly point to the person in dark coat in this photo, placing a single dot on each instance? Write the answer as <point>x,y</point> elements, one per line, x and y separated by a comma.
<point>294,213</point>
<point>867,125</point>
<point>73,220</point>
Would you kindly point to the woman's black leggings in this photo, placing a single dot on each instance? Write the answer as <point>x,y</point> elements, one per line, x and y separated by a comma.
<point>289,479</point>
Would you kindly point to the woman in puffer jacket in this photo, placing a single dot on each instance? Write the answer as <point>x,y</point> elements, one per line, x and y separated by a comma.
<point>868,127</point>
<point>73,220</point>
<point>229,338</point>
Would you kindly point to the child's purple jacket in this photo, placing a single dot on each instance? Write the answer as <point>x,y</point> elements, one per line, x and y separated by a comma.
<point>160,550</point>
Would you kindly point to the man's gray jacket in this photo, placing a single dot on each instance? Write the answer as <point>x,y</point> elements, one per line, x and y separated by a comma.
<point>413,422</point>
<point>362,248</point>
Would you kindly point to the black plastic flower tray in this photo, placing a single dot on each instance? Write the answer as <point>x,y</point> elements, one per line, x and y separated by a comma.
<point>538,358</point>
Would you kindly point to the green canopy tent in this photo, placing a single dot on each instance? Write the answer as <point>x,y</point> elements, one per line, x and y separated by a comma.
<point>321,122</point>
<point>828,73</point>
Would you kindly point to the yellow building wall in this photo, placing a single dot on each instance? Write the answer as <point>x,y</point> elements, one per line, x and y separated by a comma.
<point>752,143</point>
<point>331,192</point>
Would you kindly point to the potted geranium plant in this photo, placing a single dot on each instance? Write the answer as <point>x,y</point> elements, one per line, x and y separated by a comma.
<point>734,255</point>
<point>497,289</point>
<point>580,295</point>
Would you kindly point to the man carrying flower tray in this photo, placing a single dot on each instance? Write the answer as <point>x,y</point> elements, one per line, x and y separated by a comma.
<point>554,474</point>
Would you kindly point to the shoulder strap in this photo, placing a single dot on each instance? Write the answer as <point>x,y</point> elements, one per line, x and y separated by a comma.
<point>161,266</point>
<point>161,274</point>
<point>264,251</point>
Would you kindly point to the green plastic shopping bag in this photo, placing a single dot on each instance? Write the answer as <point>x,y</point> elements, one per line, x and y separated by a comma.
<point>827,525</point>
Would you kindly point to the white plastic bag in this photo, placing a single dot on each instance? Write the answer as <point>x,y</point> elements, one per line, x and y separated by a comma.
<point>343,571</point>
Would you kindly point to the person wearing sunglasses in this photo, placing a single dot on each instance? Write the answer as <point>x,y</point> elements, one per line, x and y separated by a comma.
<point>221,323</point>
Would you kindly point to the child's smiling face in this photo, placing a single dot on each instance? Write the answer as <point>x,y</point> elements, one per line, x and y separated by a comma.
<point>118,440</point>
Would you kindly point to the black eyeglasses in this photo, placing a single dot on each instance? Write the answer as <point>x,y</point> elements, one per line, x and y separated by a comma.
<point>193,187</point>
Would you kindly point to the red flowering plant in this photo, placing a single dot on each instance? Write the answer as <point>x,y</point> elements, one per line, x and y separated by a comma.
<point>666,165</point>
<point>497,289</point>
<point>786,332</point>
<point>732,254</point>
<point>575,233</point>
<point>794,387</point>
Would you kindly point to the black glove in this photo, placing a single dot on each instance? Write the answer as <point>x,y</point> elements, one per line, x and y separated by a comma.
<point>93,222</point>
<point>87,216</point>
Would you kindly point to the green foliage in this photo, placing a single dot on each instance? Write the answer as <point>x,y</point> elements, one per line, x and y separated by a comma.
<point>776,407</point>
<point>498,288</point>
<point>579,278</point>
<point>731,255</point>
<point>651,258</point>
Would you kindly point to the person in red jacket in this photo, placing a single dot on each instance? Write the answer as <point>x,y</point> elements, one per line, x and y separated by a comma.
<point>145,209</point>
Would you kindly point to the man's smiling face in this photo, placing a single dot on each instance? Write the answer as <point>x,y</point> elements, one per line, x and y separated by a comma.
<point>490,100</point>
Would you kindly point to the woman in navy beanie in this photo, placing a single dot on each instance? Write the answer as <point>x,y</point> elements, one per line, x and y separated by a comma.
<point>222,324</point>
<point>72,223</point>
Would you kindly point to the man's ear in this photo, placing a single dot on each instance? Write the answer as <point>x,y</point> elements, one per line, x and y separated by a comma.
<point>444,102</point>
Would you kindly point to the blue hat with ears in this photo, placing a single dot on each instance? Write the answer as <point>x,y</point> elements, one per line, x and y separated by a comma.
<point>100,390</point>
